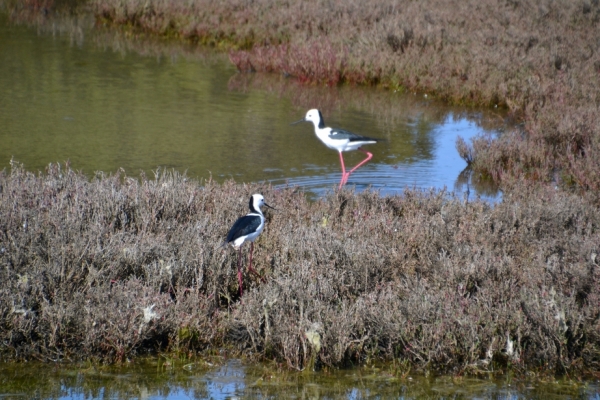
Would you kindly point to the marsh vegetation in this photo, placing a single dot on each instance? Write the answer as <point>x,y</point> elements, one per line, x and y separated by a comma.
<point>118,266</point>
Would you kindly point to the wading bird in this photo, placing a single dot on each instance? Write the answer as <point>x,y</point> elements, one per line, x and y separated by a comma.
<point>247,229</point>
<point>338,139</point>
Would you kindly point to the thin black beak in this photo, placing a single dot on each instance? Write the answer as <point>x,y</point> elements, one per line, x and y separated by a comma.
<point>272,208</point>
<point>297,122</point>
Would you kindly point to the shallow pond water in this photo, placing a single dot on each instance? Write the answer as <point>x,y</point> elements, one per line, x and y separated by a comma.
<point>106,100</point>
<point>232,378</point>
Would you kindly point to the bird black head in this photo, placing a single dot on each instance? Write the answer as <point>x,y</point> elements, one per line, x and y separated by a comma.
<point>314,116</point>
<point>256,202</point>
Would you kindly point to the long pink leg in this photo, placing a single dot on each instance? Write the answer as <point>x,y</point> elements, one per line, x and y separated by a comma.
<point>369,156</point>
<point>240,270</point>
<point>250,265</point>
<point>251,251</point>
<point>344,175</point>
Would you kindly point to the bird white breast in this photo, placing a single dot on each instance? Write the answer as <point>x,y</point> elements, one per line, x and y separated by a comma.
<point>248,238</point>
<point>335,144</point>
<point>355,145</point>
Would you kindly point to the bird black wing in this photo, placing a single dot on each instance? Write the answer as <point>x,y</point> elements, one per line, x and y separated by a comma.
<point>353,137</point>
<point>243,226</point>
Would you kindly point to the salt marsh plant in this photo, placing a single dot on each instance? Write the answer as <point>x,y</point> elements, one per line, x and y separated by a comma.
<point>113,267</point>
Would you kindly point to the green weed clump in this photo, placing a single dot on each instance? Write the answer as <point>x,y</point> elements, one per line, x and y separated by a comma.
<point>114,267</point>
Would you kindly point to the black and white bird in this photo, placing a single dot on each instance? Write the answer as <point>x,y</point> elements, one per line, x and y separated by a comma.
<point>247,229</point>
<point>338,139</point>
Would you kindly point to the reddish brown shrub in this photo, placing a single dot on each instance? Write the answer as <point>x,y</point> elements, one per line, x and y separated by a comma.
<point>114,267</point>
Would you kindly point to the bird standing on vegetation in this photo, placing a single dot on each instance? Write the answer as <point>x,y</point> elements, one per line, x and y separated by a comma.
<point>247,229</point>
<point>338,139</point>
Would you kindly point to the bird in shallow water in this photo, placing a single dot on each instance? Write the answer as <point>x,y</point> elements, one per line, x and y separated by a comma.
<point>338,139</point>
<point>247,229</point>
